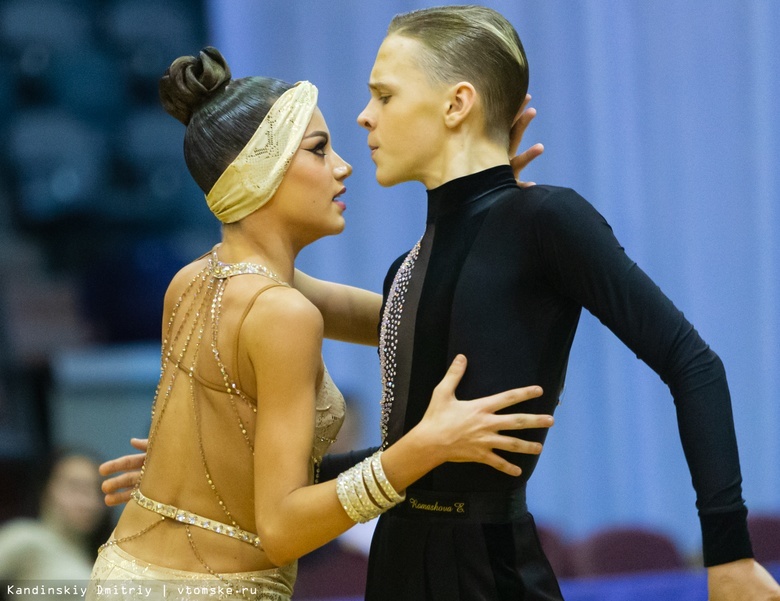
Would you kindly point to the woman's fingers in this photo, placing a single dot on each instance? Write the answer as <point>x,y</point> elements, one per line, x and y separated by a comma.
<point>505,399</point>
<point>453,376</point>
<point>473,429</point>
<point>522,421</point>
<point>522,120</point>
<point>522,160</point>
<point>519,125</point>
<point>502,465</point>
<point>516,445</point>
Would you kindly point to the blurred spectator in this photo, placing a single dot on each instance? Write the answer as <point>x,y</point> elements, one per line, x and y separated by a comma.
<point>60,545</point>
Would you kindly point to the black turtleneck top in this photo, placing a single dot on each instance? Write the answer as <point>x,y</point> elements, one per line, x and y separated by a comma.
<point>507,271</point>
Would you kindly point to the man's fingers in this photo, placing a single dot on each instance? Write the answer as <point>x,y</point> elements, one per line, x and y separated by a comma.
<point>140,444</point>
<point>120,482</point>
<point>122,464</point>
<point>114,499</point>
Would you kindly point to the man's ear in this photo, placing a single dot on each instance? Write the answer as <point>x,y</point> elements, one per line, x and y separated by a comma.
<point>461,98</point>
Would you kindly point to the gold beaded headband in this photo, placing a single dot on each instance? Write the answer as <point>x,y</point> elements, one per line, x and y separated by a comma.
<point>254,176</point>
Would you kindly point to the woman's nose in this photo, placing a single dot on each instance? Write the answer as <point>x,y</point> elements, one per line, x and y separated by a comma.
<point>343,170</point>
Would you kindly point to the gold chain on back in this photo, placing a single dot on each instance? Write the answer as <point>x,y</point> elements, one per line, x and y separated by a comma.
<point>202,296</point>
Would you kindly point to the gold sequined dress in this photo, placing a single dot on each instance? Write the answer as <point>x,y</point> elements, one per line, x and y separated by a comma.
<point>195,489</point>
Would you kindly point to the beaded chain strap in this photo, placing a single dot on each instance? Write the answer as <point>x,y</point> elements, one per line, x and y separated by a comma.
<point>388,335</point>
<point>193,519</point>
<point>202,302</point>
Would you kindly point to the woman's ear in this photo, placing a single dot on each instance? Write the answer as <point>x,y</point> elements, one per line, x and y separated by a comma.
<point>461,98</point>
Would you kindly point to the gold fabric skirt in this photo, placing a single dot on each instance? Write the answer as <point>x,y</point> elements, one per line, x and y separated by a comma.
<point>118,576</point>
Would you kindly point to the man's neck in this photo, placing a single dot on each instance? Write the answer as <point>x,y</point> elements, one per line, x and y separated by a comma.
<point>463,156</point>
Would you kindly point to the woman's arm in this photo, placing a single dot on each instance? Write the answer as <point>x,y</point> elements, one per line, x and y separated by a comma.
<point>294,517</point>
<point>351,314</point>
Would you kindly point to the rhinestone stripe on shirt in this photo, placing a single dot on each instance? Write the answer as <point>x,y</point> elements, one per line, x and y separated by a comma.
<point>388,335</point>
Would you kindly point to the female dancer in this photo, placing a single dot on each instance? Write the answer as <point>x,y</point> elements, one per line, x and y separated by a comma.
<point>245,408</point>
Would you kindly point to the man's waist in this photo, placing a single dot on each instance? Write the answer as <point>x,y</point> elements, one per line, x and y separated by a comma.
<point>469,506</point>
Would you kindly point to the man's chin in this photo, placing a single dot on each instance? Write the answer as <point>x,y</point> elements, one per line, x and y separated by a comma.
<point>385,179</point>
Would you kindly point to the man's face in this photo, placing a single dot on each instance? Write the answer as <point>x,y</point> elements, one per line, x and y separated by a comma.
<point>405,115</point>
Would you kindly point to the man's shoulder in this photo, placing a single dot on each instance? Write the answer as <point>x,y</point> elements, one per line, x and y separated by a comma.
<point>540,204</point>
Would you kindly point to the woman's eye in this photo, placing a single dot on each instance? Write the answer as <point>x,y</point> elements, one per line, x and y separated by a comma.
<point>384,99</point>
<point>319,149</point>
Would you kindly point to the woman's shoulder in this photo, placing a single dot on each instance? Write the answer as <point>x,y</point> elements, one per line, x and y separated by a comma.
<point>280,311</point>
<point>186,274</point>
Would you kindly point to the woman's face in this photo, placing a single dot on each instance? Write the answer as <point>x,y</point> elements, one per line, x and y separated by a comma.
<point>405,115</point>
<point>73,494</point>
<point>313,183</point>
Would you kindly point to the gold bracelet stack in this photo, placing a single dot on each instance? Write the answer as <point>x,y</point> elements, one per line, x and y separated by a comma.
<point>364,490</point>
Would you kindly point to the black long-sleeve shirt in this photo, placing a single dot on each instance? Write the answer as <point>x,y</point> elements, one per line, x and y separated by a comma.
<point>508,271</point>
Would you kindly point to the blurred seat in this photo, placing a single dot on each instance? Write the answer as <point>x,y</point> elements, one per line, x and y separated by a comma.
<point>90,84</point>
<point>619,550</point>
<point>149,34</point>
<point>8,97</point>
<point>765,536</point>
<point>60,164</point>
<point>19,500</point>
<point>50,23</point>
<point>557,550</point>
<point>150,144</point>
<point>32,31</point>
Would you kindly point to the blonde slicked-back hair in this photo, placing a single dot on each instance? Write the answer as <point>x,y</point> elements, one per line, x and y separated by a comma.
<point>475,44</point>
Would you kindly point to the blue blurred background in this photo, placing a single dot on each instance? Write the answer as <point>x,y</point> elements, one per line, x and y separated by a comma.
<point>661,113</point>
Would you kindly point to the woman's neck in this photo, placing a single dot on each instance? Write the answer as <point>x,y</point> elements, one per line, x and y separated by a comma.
<point>241,243</point>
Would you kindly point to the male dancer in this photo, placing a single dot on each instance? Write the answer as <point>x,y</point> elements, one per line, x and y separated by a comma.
<point>501,275</point>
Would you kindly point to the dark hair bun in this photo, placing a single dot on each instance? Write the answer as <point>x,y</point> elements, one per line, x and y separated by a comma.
<point>191,81</point>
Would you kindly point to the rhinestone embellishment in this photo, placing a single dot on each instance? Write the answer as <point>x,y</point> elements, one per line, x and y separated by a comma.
<point>222,271</point>
<point>388,335</point>
<point>180,515</point>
